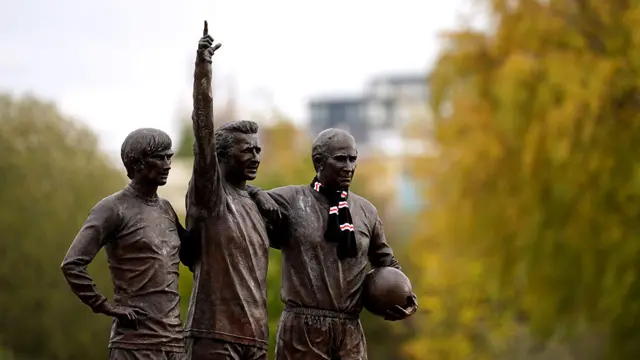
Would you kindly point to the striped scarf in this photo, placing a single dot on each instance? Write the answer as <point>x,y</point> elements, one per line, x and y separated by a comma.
<point>340,226</point>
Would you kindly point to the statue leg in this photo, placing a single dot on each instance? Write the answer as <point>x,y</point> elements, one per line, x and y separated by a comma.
<point>353,345</point>
<point>176,355</point>
<point>131,354</point>
<point>305,337</point>
<point>213,349</point>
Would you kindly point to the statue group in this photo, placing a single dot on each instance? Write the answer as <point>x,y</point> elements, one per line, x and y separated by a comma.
<point>327,236</point>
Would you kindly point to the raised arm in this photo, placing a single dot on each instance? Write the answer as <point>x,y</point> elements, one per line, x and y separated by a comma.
<point>205,183</point>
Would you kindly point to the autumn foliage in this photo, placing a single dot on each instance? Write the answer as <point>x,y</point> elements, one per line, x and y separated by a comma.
<point>533,218</point>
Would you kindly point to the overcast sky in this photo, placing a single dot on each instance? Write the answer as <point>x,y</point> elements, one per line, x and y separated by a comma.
<point>120,64</point>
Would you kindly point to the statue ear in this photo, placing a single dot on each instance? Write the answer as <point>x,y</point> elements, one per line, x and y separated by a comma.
<point>139,165</point>
<point>318,162</point>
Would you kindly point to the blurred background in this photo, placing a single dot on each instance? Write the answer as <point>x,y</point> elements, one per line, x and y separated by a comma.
<point>496,138</point>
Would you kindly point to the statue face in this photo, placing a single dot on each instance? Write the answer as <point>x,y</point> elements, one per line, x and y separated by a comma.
<point>155,169</point>
<point>339,167</point>
<point>244,156</point>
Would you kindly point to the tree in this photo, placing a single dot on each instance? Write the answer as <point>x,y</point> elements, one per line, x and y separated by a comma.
<point>534,194</point>
<point>52,174</point>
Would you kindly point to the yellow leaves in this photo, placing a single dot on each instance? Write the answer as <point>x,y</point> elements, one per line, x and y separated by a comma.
<point>433,304</point>
<point>452,289</point>
<point>532,141</point>
<point>468,316</point>
<point>457,68</point>
<point>536,181</point>
<point>455,347</point>
<point>286,158</point>
<point>571,104</point>
<point>514,76</point>
<point>452,329</point>
<point>631,19</point>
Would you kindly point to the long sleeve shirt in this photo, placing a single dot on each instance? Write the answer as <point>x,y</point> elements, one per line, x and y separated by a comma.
<point>312,274</point>
<point>229,296</point>
<point>141,238</point>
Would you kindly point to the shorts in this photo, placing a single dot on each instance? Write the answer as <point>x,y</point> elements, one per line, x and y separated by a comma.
<point>214,349</point>
<point>129,354</point>
<point>311,334</point>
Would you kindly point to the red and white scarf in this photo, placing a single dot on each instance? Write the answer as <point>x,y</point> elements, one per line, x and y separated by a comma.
<point>340,225</point>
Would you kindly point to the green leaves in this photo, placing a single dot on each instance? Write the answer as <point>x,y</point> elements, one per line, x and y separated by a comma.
<point>52,175</point>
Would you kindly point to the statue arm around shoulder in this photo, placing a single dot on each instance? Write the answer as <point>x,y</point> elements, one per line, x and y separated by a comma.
<point>274,210</point>
<point>267,206</point>
<point>206,175</point>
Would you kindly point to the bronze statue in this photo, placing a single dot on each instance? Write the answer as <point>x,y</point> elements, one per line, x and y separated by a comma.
<point>227,316</point>
<point>141,234</point>
<point>327,235</point>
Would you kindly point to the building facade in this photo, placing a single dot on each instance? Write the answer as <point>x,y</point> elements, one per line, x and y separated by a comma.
<point>379,120</point>
<point>378,117</point>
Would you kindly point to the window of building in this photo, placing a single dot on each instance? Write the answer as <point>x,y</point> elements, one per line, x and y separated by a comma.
<point>319,113</point>
<point>375,113</point>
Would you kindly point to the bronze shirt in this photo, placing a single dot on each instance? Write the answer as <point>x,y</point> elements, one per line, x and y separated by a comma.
<point>312,274</point>
<point>140,236</point>
<point>229,296</point>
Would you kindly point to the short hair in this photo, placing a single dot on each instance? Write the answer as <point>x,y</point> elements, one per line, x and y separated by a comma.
<point>225,134</point>
<point>319,149</point>
<point>141,144</point>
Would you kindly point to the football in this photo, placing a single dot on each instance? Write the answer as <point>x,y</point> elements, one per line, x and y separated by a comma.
<point>384,288</point>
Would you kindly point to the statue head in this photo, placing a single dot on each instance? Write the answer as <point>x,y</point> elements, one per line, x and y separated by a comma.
<point>146,154</point>
<point>334,156</point>
<point>238,150</point>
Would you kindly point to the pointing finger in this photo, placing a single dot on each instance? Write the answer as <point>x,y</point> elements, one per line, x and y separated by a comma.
<point>205,32</point>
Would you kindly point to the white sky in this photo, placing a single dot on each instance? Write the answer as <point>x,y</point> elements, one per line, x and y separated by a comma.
<point>119,65</point>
